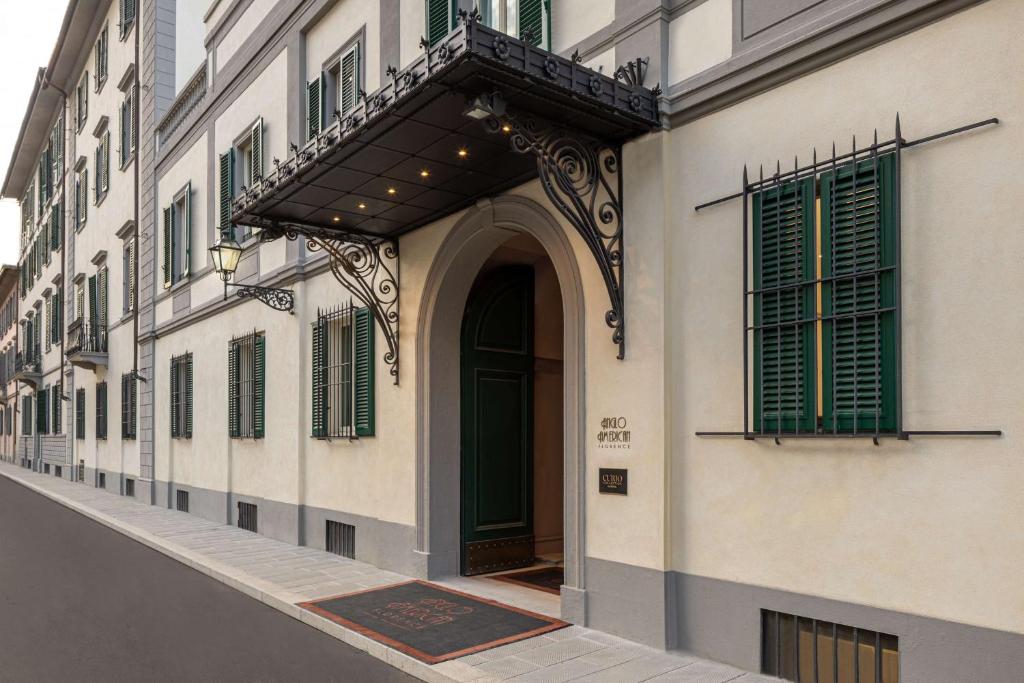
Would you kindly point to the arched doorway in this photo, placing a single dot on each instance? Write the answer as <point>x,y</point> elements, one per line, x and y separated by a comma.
<point>460,260</point>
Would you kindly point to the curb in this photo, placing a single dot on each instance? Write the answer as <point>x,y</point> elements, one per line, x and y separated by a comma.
<point>282,601</point>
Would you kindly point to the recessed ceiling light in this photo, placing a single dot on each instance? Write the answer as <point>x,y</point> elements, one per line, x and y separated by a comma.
<point>392,190</point>
<point>361,205</point>
<point>506,128</point>
<point>463,153</point>
<point>336,219</point>
<point>424,173</point>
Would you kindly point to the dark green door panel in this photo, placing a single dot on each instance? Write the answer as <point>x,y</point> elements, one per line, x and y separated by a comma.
<point>497,423</point>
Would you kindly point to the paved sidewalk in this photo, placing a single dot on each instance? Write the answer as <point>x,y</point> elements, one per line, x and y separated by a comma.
<point>281,575</point>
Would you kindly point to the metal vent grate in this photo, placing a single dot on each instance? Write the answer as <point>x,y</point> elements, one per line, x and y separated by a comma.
<point>81,470</point>
<point>129,487</point>
<point>341,539</point>
<point>247,516</point>
<point>812,651</point>
<point>182,502</point>
<point>103,480</point>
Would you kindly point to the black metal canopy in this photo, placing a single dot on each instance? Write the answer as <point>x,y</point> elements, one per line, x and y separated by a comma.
<point>410,153</point>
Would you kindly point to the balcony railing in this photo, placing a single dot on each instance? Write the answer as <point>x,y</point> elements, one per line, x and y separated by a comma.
<point>184,104</point>
<point>86,336</point>
<point>26,367</point>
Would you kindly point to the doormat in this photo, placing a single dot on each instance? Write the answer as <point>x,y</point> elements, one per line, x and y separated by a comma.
<point>547,579</point>
<point>431,623</point>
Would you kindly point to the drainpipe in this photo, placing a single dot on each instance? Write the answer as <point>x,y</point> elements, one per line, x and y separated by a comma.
<point>136,108</point>
<point>63,244</point>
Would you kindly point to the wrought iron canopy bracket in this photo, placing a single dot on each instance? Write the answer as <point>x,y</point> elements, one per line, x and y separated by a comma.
<point>366,265</point>
<point>582,177</point>
<point>278,299</point>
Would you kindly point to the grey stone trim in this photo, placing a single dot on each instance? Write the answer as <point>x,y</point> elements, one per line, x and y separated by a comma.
<point>721,620</point>
<point>772,60</point>
<point>632,602</point>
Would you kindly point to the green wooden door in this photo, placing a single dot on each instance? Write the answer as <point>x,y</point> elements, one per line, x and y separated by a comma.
<point>497,423</point>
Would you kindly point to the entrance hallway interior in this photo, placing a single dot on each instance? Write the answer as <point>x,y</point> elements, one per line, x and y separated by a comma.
<point>512,413</point>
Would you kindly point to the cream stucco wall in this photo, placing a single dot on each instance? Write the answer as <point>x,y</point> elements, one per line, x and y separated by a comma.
<point>699,39</point>
<point>574,20</point>
<point>930,526</point>
<point>344,21</point>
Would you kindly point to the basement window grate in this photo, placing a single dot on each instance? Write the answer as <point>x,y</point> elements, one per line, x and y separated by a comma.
<point>103,480</point>
<point>46,469</point>
<point>341,539</point>
<point>182,502</point>
<point>58,471</point>
<point>129,487</point>
<point>81,470</point>
<point>813,651</point>
<point>247,517</point>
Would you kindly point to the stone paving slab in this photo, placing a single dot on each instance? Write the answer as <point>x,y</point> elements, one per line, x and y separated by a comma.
<point>281,575</point>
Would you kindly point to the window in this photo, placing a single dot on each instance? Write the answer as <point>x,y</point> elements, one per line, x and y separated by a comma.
<point>181,501</point>
<point>129,405</point>
<point>246,387</point>
<point>178,237</point>
<point>128,279</point>
<point>343,373</point>
<point>102,167</point>
<point>341,539</point>
<point>342,81</point>
<point>181,396</point>
<point>79,413</point>
<point>824,328</point>
<point>57,405</point>
<point>101,410</point>
<point>129,488</point>
<point>126,18</point>
<point>42,411</point>
<point>242,165</point>
<point>81,198</point>
<point>247,517</point>
<point>82,102</point>
<point>126,126</point>
<point>526,19</point>
<point>101,59</point>
<point>801,649</point>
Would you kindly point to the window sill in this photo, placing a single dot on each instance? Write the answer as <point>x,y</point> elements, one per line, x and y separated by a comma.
<point>99,200</point>
<point>128,162</point>
<point>99,86</point>
<point>124,33</point>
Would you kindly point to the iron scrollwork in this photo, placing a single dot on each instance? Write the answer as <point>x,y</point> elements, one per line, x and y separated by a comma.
<point>278,299</point>
<point>582,178</point>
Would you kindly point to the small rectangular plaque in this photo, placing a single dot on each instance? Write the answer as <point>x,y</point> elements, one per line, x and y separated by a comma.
<point>612,481</point>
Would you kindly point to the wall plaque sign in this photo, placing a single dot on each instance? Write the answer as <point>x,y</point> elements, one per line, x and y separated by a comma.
<point>614,433</point>
<point>612,481</point>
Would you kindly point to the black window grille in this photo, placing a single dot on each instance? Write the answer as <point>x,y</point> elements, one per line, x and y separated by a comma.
<point>46,468</point>
<point>181,396</point>
<point>246,382</point>
<point>811,651</point>
<point>79,413</point>
<point>58,471</point>
<point>181,501</point>
<point>341,539</point>
<point>81,470</point>
<point>129,405</point>
<point>343,373</point>
<point>129,487</point>
<point>247,517</point>
<point>103,480</point>
<point>101,410</point>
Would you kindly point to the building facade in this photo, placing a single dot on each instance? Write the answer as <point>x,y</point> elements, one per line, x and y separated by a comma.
<point>675,296</point>
<point>8,354</point>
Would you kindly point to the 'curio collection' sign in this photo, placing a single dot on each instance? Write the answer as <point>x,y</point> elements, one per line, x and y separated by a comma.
<point>612,481</point>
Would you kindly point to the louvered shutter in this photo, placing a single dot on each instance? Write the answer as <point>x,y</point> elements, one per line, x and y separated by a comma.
<point>314,106</point>
<point>349,75</point>
<point>258,391</point>
<point>227,187</point>
<point>124,406</point>
<point>56,226</point>
<point>101,410</point>
<point>234,390</point>
<point>168,247</point>
<point>532,20</point>
<point>48,332</point>
<point>58,393</point>
<point>133,414</point>
<point>131,275</point>
<point>122,130</point>
<point>256,139</point>
<point>80,311</point>
<point>440,19</point>
<point>319,383</point>
<point>103,299</point>
<point>175,401</point>
<point>188,397</point>
<point>859,347</point>
<point>784,356</point>
<point>186,228</point>
<point>106,161</point>
<point>85,195</point>
<point>93,304</point>
<point>364,372</point>
<point>80,414</point>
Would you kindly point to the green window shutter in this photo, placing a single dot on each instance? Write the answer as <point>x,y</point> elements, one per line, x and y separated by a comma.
<point>784,357</point>
<point>227,186</point>
<point>131,275</point>
<point>256,140</point>
<point>186,266</point>
<point>102,294</point>
<point>349,75</point>
<point>364,372</point>
<point>133,415</point>
<point>234,358</point>
<point>101,410</point>
<point>258,390</point>
<point>440,19</point>
<point>188,396</point>
<point>319,376</point>
<point>532,20</point>
<point>315,106</point>
<point>858,218</point>
<point>58,392</point>
<point>124,406</point>
<point>175,400</point>
<point>122,130</point>
<point>85,195</point>
<point>106,161</point>
<point>93,305</point>
<point>168,247</point>
<point>80,413</point>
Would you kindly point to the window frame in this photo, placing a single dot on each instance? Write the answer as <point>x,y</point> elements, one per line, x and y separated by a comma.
<point>247,386</point>
<point>181,396</point>
<point>343,372</point>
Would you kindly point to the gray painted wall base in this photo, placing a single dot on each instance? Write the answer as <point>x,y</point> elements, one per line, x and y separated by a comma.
<point>574,605</point>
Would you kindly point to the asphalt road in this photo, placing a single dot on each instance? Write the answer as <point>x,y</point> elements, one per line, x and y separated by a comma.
<point>80,602</point>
